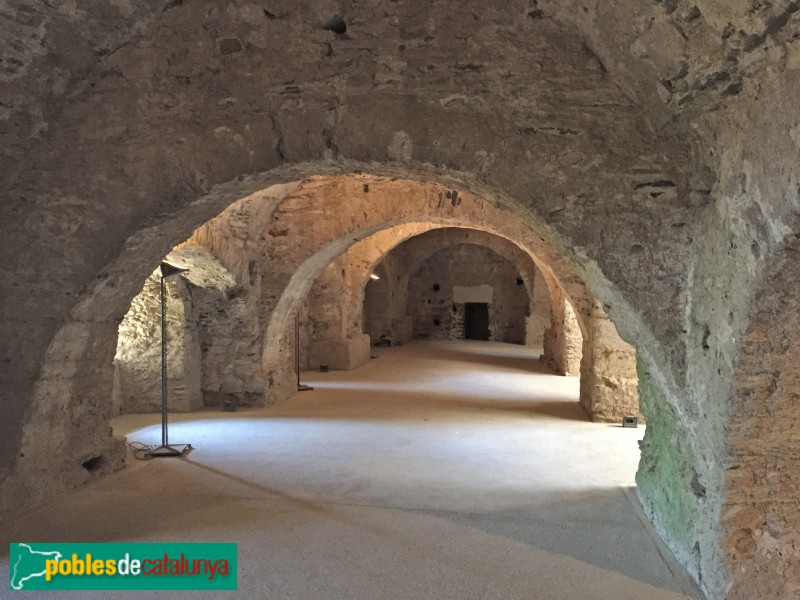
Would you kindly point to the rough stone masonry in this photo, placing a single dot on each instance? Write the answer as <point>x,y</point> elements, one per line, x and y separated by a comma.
<point>651,145</point>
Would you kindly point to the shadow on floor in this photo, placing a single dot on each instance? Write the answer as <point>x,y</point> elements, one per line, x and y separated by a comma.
<point>368,405</point>
<point>510,362</point>
<point>598,527</point>
<point>365,405</point>
<point>167,501</point>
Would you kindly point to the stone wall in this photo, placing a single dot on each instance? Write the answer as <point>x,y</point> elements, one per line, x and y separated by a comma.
<point>213,335</point>
<point>761,509</point>
<point>436,312</point>
<point>137,364</point>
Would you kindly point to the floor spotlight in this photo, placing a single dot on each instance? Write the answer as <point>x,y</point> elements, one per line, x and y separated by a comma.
<point>630,421</point>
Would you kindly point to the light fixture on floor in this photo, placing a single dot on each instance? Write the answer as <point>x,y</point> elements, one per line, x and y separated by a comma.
<point>630,421</point>
<point>165,449</point>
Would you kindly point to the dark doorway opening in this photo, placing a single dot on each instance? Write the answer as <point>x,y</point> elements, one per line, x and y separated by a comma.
<point>476,321</point>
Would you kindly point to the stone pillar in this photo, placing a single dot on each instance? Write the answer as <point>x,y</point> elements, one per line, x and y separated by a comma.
<point>609,382</point>
<point>562,339</point>
<point>281,377</point>
<point>332,340</point>
<point>536,323</point>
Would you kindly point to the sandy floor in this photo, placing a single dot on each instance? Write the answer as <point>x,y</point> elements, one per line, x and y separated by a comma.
<point>439,470</point>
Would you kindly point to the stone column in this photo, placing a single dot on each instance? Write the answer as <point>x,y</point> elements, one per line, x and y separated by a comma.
<point>609,382</point>
<point>536,323</point>
<point>562,339</point>
<point>332,341</point>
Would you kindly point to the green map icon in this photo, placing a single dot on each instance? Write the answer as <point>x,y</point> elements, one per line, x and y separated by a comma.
<point>27,564</point>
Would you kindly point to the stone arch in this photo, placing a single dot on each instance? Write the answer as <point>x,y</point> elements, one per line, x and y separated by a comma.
<point>76,375</point>
<point>367,255</point>
<point>609,385</point>
<point>259,226</point>
<point>345,307</point>
<point>328,238</point>
<point>454,236</point>
<point>422,204</point>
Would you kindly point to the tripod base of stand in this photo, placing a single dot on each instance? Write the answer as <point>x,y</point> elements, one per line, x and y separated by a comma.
<point>302,387</point>
<point>174,451</point>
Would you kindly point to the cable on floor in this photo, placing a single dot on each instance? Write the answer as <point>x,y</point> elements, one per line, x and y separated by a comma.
<point>141,451</point>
